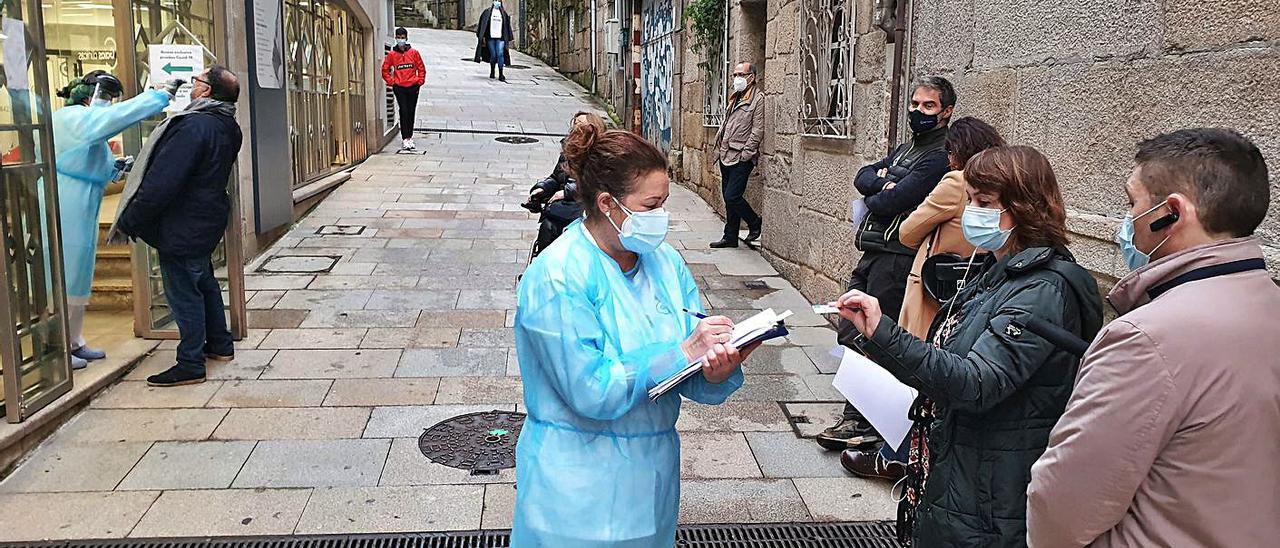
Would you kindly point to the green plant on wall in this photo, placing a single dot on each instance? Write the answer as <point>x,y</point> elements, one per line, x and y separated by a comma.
<point>706,23</point>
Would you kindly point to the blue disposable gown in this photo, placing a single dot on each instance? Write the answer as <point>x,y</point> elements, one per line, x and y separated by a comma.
<point>85,167</point>
<point>598,463</point>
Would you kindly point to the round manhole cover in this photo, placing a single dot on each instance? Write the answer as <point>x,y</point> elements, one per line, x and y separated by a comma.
<point>516,140</point>
<point>482,443</point>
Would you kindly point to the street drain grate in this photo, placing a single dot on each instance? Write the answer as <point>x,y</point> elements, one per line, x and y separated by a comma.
<point>516,140</point>
<point>483,443</point>
<point>340,230</point>
<point>874,534</point>
<point>299,264</point>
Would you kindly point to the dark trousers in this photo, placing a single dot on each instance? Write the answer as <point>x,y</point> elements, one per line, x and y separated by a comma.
<point>195,301</point>
<point>733,182</point>
<point>407,100</point>
<point>883,276</point>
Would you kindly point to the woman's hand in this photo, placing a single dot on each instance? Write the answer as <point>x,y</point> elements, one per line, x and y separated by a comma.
<point>711,331</point>
<point>722,360</point>
<point>559,195</point>
<point>861,309</point>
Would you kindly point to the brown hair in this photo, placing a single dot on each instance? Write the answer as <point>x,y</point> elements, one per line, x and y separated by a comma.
<point>968,136</point>
<point>608,161</point>
<point>1219,170</point>
<point>1023,178</point>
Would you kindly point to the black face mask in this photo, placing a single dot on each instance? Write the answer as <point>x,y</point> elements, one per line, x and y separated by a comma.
<point>921,122</point>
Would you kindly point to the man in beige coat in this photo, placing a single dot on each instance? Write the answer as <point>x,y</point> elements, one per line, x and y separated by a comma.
<point>1170,437</point>
<point>737,149</point>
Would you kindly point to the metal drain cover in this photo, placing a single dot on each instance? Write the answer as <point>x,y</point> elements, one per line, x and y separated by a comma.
<point>483,443</point>
<point>340,230</point>
<point>516,140</point>
<point>299,264</point>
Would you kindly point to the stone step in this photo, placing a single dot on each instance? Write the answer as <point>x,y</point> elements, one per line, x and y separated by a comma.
<point>111,293</point>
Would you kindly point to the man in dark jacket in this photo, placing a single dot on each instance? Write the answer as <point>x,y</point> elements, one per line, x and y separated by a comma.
<point>182,209</point>
<point>494,32</point>
<point>892,189</point>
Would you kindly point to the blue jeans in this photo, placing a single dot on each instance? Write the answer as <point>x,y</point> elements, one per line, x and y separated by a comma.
<point>195,301</point>
<point>497,52</point>
<point>900,455</point>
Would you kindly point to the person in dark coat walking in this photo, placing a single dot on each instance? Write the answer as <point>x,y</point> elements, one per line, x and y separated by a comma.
<point>990,389</point>
<point>494,32</point>
<point>182,209</point>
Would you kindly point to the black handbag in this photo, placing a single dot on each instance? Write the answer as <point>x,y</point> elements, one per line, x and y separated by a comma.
<point>945,274</point>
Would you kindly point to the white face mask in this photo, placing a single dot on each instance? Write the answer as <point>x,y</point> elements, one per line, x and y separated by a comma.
<point>100,103</point>
<point>739,84</point>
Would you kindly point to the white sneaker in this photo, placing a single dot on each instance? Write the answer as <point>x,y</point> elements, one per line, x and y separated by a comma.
<point>408,143</point>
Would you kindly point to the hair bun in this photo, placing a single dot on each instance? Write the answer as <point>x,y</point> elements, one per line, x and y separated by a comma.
<point>578,146</point>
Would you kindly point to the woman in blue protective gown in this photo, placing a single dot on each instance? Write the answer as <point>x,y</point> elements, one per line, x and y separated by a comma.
<point>599,323</point>
<point>85,166</point>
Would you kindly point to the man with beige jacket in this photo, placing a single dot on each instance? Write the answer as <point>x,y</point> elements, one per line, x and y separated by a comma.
<point>1170,437</point>
<point>737,149</point>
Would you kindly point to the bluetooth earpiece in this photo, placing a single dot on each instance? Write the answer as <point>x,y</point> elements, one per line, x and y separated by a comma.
<point>1164,222</point>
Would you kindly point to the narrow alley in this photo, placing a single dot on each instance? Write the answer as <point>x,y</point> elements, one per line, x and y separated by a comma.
<point>388,309</point>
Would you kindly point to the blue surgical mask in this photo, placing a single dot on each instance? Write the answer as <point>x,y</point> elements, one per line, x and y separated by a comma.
<point>981,226</point>
<point>1134,258</point>
<point>402,41</point>
<point>643,231</point>
<point>497,5</point>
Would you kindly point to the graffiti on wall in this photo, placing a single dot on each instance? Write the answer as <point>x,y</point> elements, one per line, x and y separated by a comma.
<point>657,59</point>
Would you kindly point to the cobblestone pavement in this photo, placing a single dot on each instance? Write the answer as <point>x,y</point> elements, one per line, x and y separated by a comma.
<point>312,429</point>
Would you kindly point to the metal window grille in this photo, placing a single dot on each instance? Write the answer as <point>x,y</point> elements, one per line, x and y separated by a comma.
<point>826,67</point>
<point>715,82</point>
<point>571,15</point>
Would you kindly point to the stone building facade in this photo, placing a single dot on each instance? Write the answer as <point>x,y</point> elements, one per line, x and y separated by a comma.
<point>1083,82</point>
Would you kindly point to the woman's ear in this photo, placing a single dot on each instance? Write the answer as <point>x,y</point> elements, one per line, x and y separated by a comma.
<point>604,203</point>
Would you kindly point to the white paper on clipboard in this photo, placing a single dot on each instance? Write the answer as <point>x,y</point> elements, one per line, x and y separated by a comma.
<point>877,394</point>
<point>857,212</point>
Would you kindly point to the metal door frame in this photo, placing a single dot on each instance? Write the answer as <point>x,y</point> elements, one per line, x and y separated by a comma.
<point>16,408</point>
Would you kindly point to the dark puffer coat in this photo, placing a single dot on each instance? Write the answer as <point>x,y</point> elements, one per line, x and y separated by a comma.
<point>998,388</point>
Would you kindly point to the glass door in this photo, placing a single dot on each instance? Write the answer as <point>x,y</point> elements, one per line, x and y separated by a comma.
<point>188,22</point>
<point>34,365</point>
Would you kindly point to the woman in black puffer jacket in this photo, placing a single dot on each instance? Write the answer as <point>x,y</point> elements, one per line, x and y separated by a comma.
<point>990,390</point>
<point>560,185</point>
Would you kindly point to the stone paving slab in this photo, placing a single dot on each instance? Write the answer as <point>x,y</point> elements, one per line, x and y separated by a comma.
<point>38,516</point>
<point>293,423</point>
<point>332,364</point>
<point>188,465</point>
<point>847,499</point>
<point>382,392</point>
<point>99,425</point>
<point>741,501</point>
<point>138,395</point>
<point>710,455</point>
<point>313,463</point>
<point>410,421</point>
<point>67,467</point>
<point>393,509</point>
<point>249,364</point>
<point>234,512</point>
<point>271,393</point>
<point>406,465</point>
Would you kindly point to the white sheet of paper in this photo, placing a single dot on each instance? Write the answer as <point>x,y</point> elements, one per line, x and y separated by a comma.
<point>880,396</point>
<point>825,309</point>
<point>857,212</point>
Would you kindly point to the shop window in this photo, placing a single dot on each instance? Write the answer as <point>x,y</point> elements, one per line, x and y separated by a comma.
<point>324,44</point>
<point>826,67</point>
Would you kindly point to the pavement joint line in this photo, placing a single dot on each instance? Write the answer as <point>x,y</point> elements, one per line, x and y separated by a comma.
<point>488,132</point>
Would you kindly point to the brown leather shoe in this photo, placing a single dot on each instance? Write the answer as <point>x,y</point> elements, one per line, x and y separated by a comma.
<point>869,464</point>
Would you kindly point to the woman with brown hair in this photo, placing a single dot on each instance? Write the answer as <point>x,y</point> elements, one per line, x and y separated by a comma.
<point>604,314</point>
<point>990,390</point>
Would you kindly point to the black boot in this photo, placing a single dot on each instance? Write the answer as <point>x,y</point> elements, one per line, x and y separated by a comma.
<point>752,235</point>
<point>490,71</point>
<point>501,77</point>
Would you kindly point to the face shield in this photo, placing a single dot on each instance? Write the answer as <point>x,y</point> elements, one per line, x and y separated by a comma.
<point>106,88</point>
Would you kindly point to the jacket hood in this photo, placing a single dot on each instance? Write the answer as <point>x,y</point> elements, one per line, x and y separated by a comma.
<point>1131,291</point>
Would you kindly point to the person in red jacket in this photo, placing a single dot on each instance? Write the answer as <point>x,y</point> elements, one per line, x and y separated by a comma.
<point>404,72</point>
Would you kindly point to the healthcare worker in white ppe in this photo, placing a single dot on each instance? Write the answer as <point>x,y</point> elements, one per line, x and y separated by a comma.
<point>599,322</point>
<point>85,166</point>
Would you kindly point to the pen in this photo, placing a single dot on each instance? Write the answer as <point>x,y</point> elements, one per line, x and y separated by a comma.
<point>697,315</point>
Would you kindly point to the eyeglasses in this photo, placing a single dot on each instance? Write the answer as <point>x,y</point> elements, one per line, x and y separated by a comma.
<point>199,79</point>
